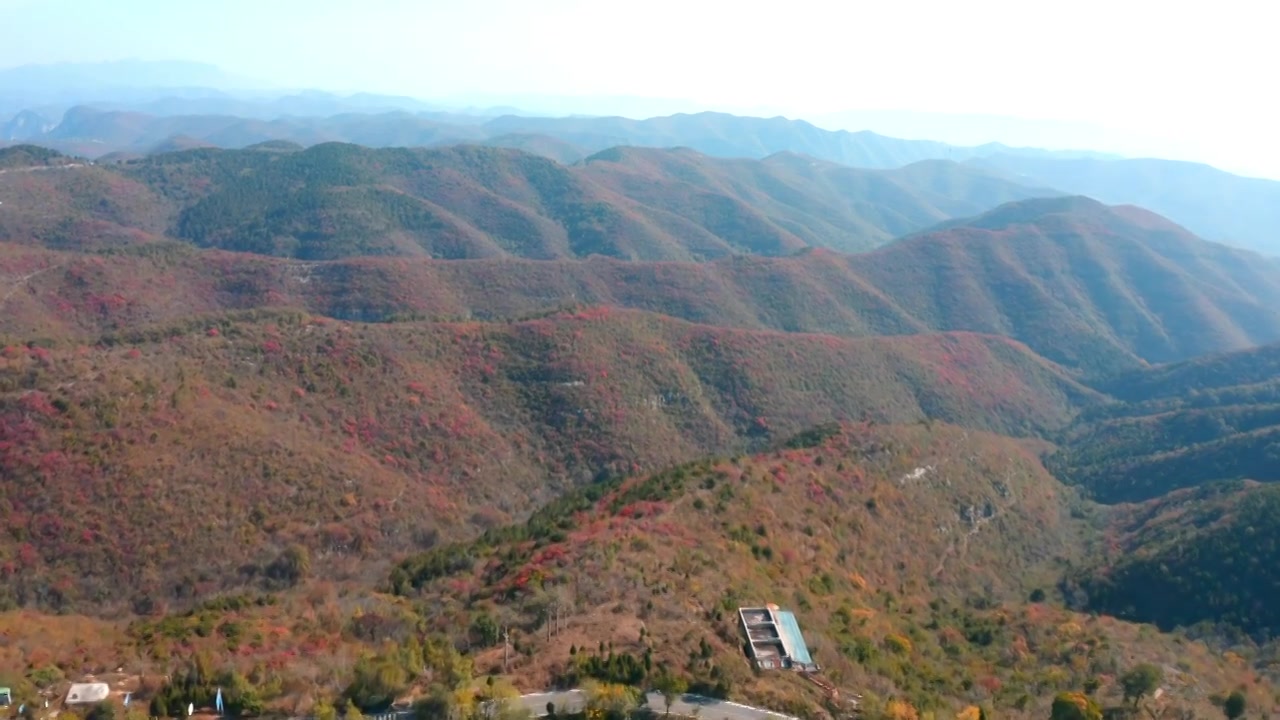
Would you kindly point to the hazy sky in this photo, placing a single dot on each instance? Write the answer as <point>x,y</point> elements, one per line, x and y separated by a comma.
<point>1192,79</point>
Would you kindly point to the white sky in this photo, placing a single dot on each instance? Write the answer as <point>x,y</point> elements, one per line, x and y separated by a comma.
<point>1193,80</point>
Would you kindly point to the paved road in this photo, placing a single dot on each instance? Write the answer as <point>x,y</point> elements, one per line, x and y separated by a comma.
<point>571,701</point>
<point>41,168</point>
<point>704,708</point>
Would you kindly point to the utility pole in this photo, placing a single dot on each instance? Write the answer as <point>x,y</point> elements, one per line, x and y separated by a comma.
<point>506,647</point>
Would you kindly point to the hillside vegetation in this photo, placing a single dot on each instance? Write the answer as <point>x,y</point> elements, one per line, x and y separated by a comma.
<point>1095,289</point>
<point>1204,558</point>
<point>317,425</point>
<point>1086,285</point>
<point>1217,205</point>
<point>1185,443</point>
<point>1178,426</point>
<point>185,459</point>
<point>334,201</point>
<point>650,573</point>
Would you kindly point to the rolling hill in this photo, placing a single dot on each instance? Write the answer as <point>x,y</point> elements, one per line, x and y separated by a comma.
<point>1217,205</point>
<point>1178,426</point>
<point>1084,284</point>
<point>1095,289</point>
<point>1203,558</point>
<point>645,573</point>
<point>817,528</point>
<point>182,460</point>
<point>333,200</point>
<point>251,443</point>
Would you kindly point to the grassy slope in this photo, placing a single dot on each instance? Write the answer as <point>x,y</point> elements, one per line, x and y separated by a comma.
<point>148,460</point>
<point>820,531</point>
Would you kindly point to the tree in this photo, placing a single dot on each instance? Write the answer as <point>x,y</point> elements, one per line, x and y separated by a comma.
<point>449,667</point>
<point>1074,706</point>
<point>900,710</point>
<point>436,706</point>
<point>377,682</point>
<point>101,711</point>
<point>609,701</point>
<point>325,710</point>
<point>1140,682</point>
<point>486,629</point>
<point>291,567</point>
<point>502,701</point>
<point>672,687</point>
<point>1234,706</point>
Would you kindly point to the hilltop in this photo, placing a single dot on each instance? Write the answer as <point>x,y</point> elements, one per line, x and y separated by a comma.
<point>185,459</point>
<point>334,201</point>
<point>1086,285</point>
<point>1219,206</point>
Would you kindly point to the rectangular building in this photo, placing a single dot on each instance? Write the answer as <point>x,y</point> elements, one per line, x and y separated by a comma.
<point>775,640</point>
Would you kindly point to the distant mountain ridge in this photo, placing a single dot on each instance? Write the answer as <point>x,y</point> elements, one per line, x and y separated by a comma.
<point>465,201</point>
<point>1240,211</point>
<point>1216,205</point>
<point>96,131</point>
<point>1092,288</point>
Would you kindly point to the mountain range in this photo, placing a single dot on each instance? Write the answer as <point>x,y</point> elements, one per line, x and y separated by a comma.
<point>473,202</point>
<point>317,422</point>
<point>1217,205</point>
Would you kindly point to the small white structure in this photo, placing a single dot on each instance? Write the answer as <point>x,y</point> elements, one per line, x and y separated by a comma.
<point>87,693</point>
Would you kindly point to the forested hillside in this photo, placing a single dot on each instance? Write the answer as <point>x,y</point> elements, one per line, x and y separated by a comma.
<point>1203,557</point>
<point>336,201</point>
<point>315,424</point>
<point>1095,289</point>
<point>816,527</point>
<point>185,459</point>
<point>1178,426</point>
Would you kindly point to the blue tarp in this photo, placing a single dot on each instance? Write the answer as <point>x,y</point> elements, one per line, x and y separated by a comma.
<point>790,630</point>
